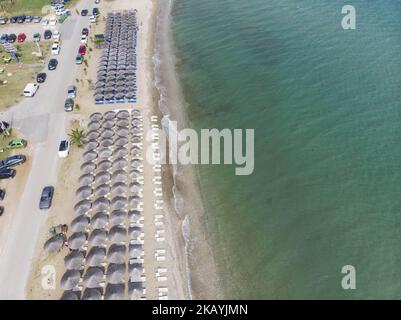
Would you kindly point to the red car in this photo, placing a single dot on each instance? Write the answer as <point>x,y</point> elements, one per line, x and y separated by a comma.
<point>82,49</point>
<point>21,37</point>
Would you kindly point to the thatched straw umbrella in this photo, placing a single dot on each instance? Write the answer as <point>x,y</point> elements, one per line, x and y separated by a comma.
<point>121,141</point>
<point>97,116</point>
<point>115,292</point>
<point>135,187</point>
<point>102,190</point>
<point>117,234</point>
<point>119,164</point>
<point>122,123</point>
<point>89,155</point>
<point>116,273</point>
<point>122,132</point>
<point>119,188</point>
<point>54,244</point>
<point>119,176</point>
<point>106,142</point>
<point>105,153</point>
<point>80,223</point>
<point>109,115</point>
<point>82,206</point>
<point>136,250</point>
<point>69,295</point>
<point>135,290</point>
<point>116,253</point>
<point>117,217</point>
<point>74,260</point>
<point>93,277</point>
<point>107,133</point>
<point>134,216</point>
<point>76,240</point>
<point>98,237</point>
<point>94,125</point>
<point>101,204</point>
<point>92,135</point>
<point>134,232</point>
<point>92,294</point>
<point>108,124</point>
<point>88,167</point>
<point>102,177</point>
<point>70,279</point>
<point>83,192</point>
<point>96,257</point>
<point>99,220</point>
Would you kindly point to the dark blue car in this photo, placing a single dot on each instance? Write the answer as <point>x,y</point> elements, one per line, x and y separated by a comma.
<point>12,161</point>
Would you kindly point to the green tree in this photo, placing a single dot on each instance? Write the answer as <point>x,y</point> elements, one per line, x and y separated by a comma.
<point>77,137</point>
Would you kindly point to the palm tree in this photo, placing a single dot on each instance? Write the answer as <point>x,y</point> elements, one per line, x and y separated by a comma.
<point>77,136</point>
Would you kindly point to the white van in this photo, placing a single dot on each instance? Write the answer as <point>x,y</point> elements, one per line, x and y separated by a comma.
<point>31,89</point>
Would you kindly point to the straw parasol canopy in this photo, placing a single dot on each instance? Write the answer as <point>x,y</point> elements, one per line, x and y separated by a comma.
<point>119,188</point>
<point>76,240</point>
<point>69,295</point>
<point>98,237</point>
<point>96,256</point>
<point>102,190</point>
<point>134,216</point>
<point>117,217</point>
<point>123,114</point>
<point>54,244</point>
<point>101,204</point>
<point>116,273</point>
<point>116,253</point>
<point>117,234</point>
<point>119,176</point>
<point>105,153</point>
<point>93,277</point>
<point>89,155</point>
<point>102,177</point>
<point>82,206</point>
<point>122,132</point>
<point>97,116</point>
<point>80,223</point>
<point>120,152</point>
<point>134,201</point>
<point>115,292</point>
<point>121,141</point>
<point>135,290</point>
<point>123,123</point>
<point>70,279</point>
<point>107,142</point>
<point>135,271</point>
<point>135,187</point>
<point>107,133</point>
<point>92,294</point>
<point>108,124</point>
<point>83,192</point>
<point>135,250</point>
<point>91,145</point>
<point>109,115</point>
<point>118,203</point>
<point>88,167</point>
<point>134,232</point>
<point>99,220</point>
<point>74,260</point>
<point>86,179</point>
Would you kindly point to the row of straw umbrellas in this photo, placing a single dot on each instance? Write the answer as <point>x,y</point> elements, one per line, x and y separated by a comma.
<point>116,76</point>
<point>108,217</point>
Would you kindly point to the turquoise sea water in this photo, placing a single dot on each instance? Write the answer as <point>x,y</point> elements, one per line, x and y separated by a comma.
<point>325,105</point>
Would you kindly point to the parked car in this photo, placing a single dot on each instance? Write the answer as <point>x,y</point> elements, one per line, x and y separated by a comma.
<point>84,39</point>
<point>4,38</point>
<point>95,11</point>
<point>60,12</point>
<point>12,161</point>
<point>3,20</point>
<point>52,21</point>
<point>30,89</point>
<point>52,64</point>
<point>64,148</point>
<point>16,144</point>
<point>12,38</point>
<point>36,37</point>
<point>92,19</point>
<point>7,173</point>
<point>21,37</point>
<point>4,126</point>
<point>82,49</point>
<point>55,49</point>
<point>13,19</point>
<point>45,22</point>
<point>71,91</point>
<point>97,1</point>
<point>56,35</point>
<point>85,31</point>
<point>2,194</point>
<point>28,19</point>
<point>47,34</point>
<point>79,59</point>
<point>46,197</point>
<point>84,12</point>
<point>68,105</point>
<point>37,19</point>
<point>21,19</point>
<point>1,210</point>
<point>41,77</point>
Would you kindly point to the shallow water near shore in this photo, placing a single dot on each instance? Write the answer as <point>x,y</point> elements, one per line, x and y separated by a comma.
<point>325,106</point>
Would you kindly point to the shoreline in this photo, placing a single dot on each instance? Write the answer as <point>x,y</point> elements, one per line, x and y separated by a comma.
<point>185,193</point>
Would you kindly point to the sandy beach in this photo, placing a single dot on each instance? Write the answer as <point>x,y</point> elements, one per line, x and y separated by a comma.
<point>62,212</point>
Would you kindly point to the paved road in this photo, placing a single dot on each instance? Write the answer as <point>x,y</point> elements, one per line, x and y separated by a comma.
<point>42,119</point>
